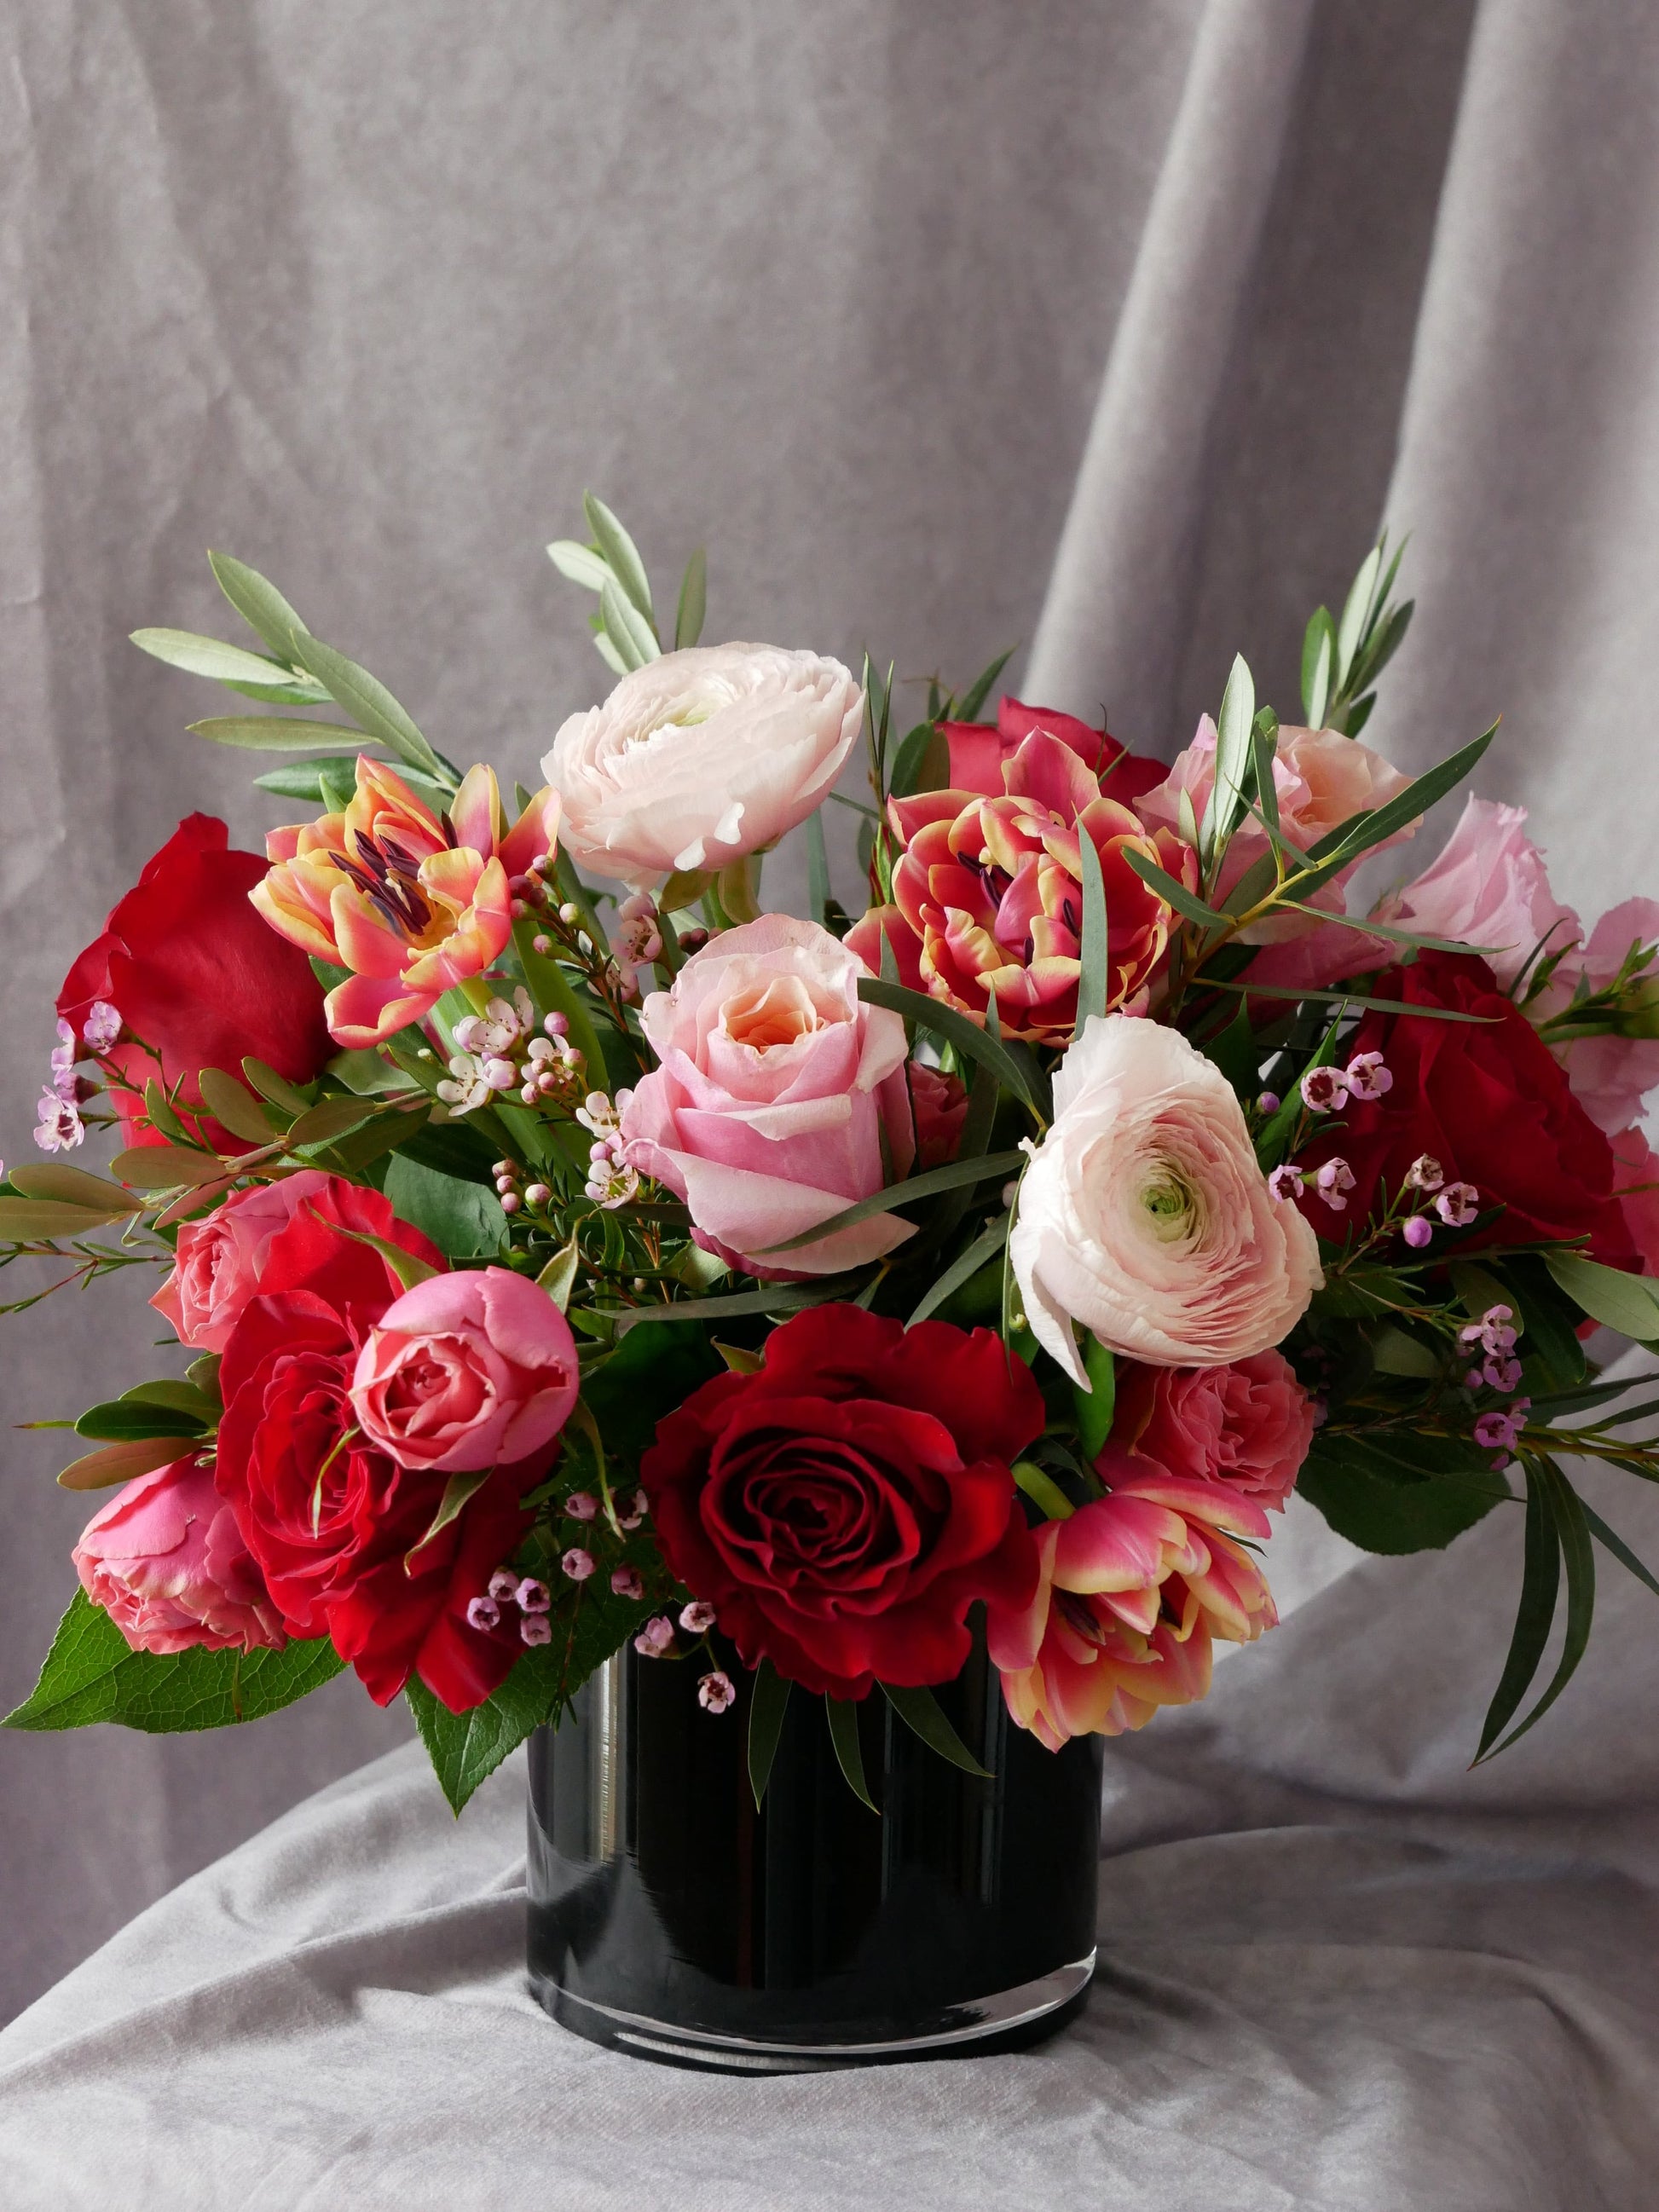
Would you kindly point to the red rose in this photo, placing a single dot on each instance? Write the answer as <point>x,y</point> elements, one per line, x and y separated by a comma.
<point>1489,1103</point>
<point>330,1522</point>
<point>844,1506</point>
<point>197,974</point>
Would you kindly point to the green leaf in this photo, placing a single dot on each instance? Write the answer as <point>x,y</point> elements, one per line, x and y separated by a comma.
<point>372,707</point>
<point>260,603</point>
<point>1540,1577</point>
<point>1249,990</point>
<point>1042,1490</point>
<point>1374,1494</point>
<point>328,1119</point>
<point>164,1167</point>
<point>775,1298</point>
<point>121,1463</point>
<point>466,1749</point>
<point>72,1187</point>
<point>1566,1510</point>
<point>1355,608</point>
<point>627,627</point>
<point>1096,1406</point>
<point>127,1420</point>
<point>983,1247</point>
<point>1626,1303</point>
<point>1620,1550</point>
<point>922,1712</point>
<point>464,1220</point>
<point>206,656</point>
<point>228,1102</point>
<point>1318,662</point>
<point>277,1089</point>
<point>28,1220</point>
<point>965,1034</point>
<point>922,761</point>
<point>463,1485</point>
<point>979,690</point>
<point>993,1167</point>
<point>278,733</point>
<point>558,1276</point>
<point>1361,831</point>
<point>622,556</point>
<point>769,1700</point>
<point>1093,982</point>
<point>843,1717</point>
<point>92,1674</point>
<point>1264,753</point>
<point>653,1371</point>
<point>1226,806</point>
<point>1172,893</point>
<point>817,869</point>
<point>580,563</point>
<point>694,602</point>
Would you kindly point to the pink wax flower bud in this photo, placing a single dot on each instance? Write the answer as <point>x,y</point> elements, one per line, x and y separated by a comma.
<point>655,1637</point>
<point>578,1563</point>
<point>533,1596</point>
<point>696,1619</point>
<point>556,1025</point>
<point>469,1033</point>
<point>626,1582</point>
<point>1424,1173</point>
<point>1331,1181</point>
<point>484,1613</point>
<point>581,1505</point>
<point>1367,1077</point>
<point>1417,1231</point>
<point>504,1586</point>
<point>1458,1204</point>
<point>1324,1090</point>
<point>716,1692</point>
<point>535,1628</point>
<point>1268,1102</point>
<point>499,1074</point>
<point>1286,1183</point>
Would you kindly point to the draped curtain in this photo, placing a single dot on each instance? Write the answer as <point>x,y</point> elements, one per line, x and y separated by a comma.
<point>1109,329</point>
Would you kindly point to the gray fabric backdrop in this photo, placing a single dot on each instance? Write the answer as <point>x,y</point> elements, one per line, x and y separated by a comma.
<point>1112,327</point>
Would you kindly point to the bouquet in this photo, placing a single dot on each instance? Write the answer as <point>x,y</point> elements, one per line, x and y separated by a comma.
<point>565,1253</point>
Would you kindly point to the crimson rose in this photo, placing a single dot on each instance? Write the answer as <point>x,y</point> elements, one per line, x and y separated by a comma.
<point>334,1525</point>
<point>1489,1102</point>
<point>197,974</point>
<point>843,1507</point>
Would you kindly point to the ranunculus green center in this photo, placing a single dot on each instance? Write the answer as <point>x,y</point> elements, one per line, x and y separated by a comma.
<point>1171,1207</point>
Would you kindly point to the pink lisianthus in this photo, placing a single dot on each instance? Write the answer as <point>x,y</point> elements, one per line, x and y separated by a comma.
<point>219,1258</point>
<point>1248,1424</point>
<point>1610,1075</point>
<point>777,1087</point>
<point>411,904</point>
<point>467,1371</point>
<point>1132,1591</point>
<point>1636,1185</point>
<point>1488,887</point>
<point>165,1561</point>
<point>990,890</point>
<point>939,1102</point>
<point>1321,778</point>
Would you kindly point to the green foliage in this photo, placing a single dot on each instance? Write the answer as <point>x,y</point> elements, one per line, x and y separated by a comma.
<point>464,1219</point>
<point>1398,1491</point>
<point>92,1674</point>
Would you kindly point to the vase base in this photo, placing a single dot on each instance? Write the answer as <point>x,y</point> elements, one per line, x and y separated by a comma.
<point>1008,2020</point>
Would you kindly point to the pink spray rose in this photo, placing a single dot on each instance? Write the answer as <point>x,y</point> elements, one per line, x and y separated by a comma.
<point>466,1371</point>
<point>1488,887</point>
<point>776,1085</point>
<point>1248,1424</point>
<point>219,1258</point>
<point>167,1562</point>
<point>1134,1588</point>
<point>940,1104</point>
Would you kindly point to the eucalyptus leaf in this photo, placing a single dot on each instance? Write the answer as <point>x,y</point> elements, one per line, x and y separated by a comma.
<point>228,1102</point>
<point>965,1034</point>
<point>626,627</point>
<point>1094,980</point>
<point>983,1247</point>
<point>71,1187</point>
<point>1355,610</point>
<point>580,563</point>
<point>622,556</point>
<point>996,1166</point>
<point>372,706</point>
<point>278,733</point>
<point>120,1463</point>
<point>1318,661</point>
<point>207,656</point>
<point>694,601</point>
<point>1627,1302</point>
<point>1226,806</point>
<point>923,1715</point>
<point>260,603</point>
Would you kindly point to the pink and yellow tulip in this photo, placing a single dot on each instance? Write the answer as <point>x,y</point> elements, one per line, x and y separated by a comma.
<point>411,904</point>
<point>1134,1589</point>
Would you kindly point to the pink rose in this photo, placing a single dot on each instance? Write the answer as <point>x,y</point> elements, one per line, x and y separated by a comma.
<point>776,1084</point>
<point>1321,778</point>
<point>167,1562</point>
<point>467,1371</point>
<point>939,1102</point>
<point>1488,887</point>
<point>1248,1424</point>
<point>220,1260</point>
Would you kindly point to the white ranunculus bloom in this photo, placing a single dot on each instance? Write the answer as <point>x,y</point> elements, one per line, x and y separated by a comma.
<point>701,758</point>
<point>1144,1216</point>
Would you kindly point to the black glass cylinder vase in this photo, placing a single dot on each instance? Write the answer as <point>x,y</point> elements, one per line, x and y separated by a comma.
<point>670,1919</point>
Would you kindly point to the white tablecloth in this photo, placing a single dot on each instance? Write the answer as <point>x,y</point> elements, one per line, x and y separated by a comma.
<point>1338,1971</point>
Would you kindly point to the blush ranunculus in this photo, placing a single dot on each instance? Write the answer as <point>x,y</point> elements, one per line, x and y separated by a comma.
<point>990,891</point>
<point>979,750</point>
<point>1488,887</point>
<point>198,979</point>
<point>413,905</point>
<point>701,758</point>
<point>776,1089</point>
<point>466,1371</point>
<point>165,1560</point>
<point>1133,1589</point>
<point>219,1258</point>
<point>1487,1100</point>
<point>1248,1424</point>
<point>842,1507</point>
<point>339,1530</point>
<point>1144,1216</point>
<point>1322,778</point>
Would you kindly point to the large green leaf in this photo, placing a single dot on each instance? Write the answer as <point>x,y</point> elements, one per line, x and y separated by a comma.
<point>92,1674</point>
<point>1626,1302</point>
<point>654,1369</point>
<point>1399,1493</point>
<point>464,1219</point>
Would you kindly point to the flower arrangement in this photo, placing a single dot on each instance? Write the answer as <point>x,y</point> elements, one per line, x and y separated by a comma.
<point>563,1263</point>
